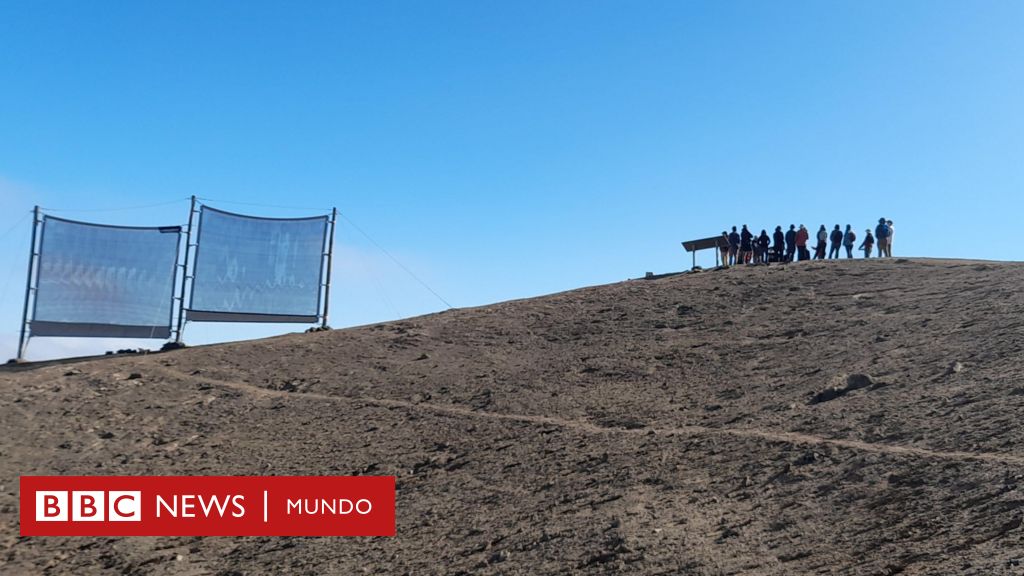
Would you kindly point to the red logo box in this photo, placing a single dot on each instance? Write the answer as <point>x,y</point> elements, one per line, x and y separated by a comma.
<point>207,506</point>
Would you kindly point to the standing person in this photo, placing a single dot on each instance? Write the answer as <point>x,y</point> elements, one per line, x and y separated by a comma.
<point>746,245</point>
<point>780,241</point>
<point>723,246</point>
<point>819,250</point>
<point>868,243</point>
<point>790,243</point>
<point>836,239</point>
<point>734,246</point>
<point>761,245</point>
<point>892,234</point>
<point>849,239</point>
<point>802,236</point>
<point>882,237</point>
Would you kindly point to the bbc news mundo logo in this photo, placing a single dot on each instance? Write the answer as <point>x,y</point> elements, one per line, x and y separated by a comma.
<point>207,505</point>
<point>88,506</point>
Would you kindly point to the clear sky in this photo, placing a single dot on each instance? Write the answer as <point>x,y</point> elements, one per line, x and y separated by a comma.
<point>506,149</point>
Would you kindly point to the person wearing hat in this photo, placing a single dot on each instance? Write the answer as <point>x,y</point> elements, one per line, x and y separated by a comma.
<point>868,243</point>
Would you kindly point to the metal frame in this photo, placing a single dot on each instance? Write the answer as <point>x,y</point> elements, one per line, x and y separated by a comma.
<point>185,274</point>
<point>78,329</point>
<point>33,255</point>
<point>330,258</point>
<point>323,294</point>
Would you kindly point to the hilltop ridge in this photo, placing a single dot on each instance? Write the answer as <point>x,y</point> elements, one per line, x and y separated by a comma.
<point>847,417</point>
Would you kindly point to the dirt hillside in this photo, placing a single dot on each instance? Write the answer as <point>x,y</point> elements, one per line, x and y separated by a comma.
<point>849,417</point>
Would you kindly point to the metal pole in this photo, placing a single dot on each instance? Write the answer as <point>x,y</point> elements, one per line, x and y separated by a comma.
<point>23,339</point>
<point>184,273</point>
<point>330,254</point>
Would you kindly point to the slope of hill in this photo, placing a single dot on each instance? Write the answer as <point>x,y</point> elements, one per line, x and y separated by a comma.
<point>850,417</point>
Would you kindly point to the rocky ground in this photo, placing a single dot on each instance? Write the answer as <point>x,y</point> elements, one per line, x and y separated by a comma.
<point>849,417</point>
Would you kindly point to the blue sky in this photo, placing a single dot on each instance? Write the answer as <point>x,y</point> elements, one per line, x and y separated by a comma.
<point>509,149</point>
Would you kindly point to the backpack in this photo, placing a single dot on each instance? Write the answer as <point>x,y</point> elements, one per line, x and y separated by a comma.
<point>851,237</point>
<point>884,231</point>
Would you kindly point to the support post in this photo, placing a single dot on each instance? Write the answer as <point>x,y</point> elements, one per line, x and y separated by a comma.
<point>330,255</point>
<point>23,338</point>
<point>184,272</point>
<point>694,260</point>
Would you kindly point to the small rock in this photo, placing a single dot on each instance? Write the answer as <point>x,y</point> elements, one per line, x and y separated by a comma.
<point>853,382</point>
<point>499,556</point>
<point>726,534</point>
<point>808,457</point>
<point>73,372</point>
<point>684,310</point>
<point>105,435</point>
<point>134,376</point>
<point>858,381</point>
<point>955,368</point>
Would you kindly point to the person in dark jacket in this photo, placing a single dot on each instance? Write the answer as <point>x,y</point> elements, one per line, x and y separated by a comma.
<point>849,239</point>
<point>746,245</point>
<point>791,243</point>
<point>836,240</point>
<point>734,246</point>
<point>761,244</point>
<point>882,237</point>
<point>819,248</point>
<point>868,243</point>
<point>780,243</point>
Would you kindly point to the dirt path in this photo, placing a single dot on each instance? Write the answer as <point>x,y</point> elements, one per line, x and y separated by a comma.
<point>769,435</point>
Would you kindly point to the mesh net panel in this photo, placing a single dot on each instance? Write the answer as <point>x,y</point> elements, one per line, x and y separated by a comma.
<point>97,280</point>
<point>257,269</point>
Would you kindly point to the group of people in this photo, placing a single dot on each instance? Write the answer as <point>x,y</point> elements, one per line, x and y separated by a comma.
<point>743,247</point>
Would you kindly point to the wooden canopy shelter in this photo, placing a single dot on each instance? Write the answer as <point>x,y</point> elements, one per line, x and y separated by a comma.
<point>716,242</point>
